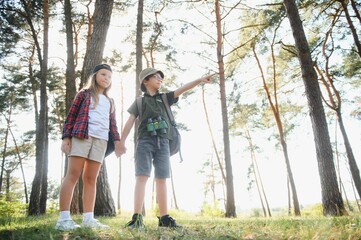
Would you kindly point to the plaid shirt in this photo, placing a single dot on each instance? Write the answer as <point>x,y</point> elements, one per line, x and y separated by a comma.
<point>76,123</point>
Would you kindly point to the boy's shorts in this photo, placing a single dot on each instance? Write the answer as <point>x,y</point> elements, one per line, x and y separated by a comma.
<point>91,148</point>
<point>152,149</point>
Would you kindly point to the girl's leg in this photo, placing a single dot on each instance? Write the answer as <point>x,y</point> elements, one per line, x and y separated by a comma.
<point>90,174</point>
<point>75,166</point>
<point>139,193</point>
<point>161,193</point>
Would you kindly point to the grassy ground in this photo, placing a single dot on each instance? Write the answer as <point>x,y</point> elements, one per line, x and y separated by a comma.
<point>194,227</point>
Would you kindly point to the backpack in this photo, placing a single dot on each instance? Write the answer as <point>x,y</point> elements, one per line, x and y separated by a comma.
<point>175,144</point>
<point>110,144</point>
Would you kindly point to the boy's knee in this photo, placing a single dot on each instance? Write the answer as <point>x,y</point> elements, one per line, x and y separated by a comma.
<point>142,179</point>
<point>160,180</point>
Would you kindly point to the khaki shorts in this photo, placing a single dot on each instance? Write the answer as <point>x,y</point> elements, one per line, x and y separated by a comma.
<point>91,148</point>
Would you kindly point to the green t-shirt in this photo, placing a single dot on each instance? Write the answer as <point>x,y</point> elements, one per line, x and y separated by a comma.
<point>153,107</point>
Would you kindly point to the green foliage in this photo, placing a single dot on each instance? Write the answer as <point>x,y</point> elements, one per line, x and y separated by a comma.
<point>42,227</point>
<point>209,210</point>
<point>313,210</point>
<point>10,211</point>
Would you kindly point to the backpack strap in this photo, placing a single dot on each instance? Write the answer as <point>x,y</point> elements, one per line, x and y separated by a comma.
<point>171,119</point>
<point>139,106</point>
<point>169,111</point>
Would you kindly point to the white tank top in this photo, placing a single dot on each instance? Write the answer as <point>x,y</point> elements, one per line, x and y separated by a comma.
<point>99,118</point>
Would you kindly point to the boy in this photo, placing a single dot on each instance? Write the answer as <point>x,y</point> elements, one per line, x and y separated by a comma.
<point>153,146</point>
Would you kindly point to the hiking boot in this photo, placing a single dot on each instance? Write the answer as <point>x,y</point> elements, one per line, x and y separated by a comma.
<point>94,224</point>
<point>167,221</point>
<point>66,225</point>
<point>136,222</point>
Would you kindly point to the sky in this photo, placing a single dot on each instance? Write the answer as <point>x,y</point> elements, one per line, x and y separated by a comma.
<point>196,143</point>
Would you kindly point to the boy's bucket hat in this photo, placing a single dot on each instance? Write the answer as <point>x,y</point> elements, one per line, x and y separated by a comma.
<point>145,73</point>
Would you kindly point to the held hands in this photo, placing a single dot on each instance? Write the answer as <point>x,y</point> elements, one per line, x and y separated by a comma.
<point>66,145</point>
<point>120,147</point>
<point>117,148</point>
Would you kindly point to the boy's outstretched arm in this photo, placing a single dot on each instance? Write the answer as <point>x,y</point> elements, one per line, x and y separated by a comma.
<point>190,85</point>
<point>126,130</point>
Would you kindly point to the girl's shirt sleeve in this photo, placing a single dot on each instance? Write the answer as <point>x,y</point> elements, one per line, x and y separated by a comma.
<point>113,126</point>
<point>72,115</point>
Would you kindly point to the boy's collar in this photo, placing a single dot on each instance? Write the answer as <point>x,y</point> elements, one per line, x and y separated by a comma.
<point>147,94</point>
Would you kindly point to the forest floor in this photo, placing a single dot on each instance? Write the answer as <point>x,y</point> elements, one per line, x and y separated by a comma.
<point>194,227</point>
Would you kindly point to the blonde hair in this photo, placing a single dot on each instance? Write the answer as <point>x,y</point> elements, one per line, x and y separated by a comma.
<point>93,88</point>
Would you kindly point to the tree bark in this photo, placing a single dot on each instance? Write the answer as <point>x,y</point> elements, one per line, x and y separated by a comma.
<point>70,86</point>
<point>38,196</point>
<point>331,196</point>
<point>230,205</point>
<point>138,64</point>
<point>70,64</point>
<point>104,203</point>
<point>351,26</point>
<point>93,56</point>
<point>276,113</point>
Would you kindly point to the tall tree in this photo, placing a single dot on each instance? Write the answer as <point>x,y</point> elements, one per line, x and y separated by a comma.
<point>93,56</point>
<point>70,83</point>
<point>274,105</point>
<point>353,30</point>
<point>331,196</point>
<point>333,98</point>
<point>38,194</point>
<point>138,61</point>
<point>13,95</point>
<point>70,63</point>
<point>230,205</point>
<point>139,48</point>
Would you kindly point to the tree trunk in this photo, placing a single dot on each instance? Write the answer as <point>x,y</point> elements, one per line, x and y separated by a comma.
<point>93,56</point>
<point>138,58</point>
<point>354,7</point>
<point>331,196</point>
<point>230,206</point>
<point>38,196</point>
<point>70,65</point>
<point>276,113</point>
<point>44,106</point>
<point>139,47</point>
<point>138,64</point>
<point>21,166</point>
<point>334,103</point>
<point>120,158</point>
<point>173,190</point>
<point>212,137</point>
<point>4,155</point>
<point>350,156</point>
<point>351,26</point>
<point>104,203</point>
<point>70,87</point>
<point>260,188</point>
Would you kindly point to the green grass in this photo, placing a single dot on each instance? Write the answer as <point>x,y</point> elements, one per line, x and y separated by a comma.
<point>194,227</point>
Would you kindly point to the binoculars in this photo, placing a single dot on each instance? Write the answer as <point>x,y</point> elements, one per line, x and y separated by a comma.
<point>157,124</point>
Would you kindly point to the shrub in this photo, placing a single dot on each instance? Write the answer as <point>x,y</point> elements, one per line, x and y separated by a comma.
<point>211,211</point>
<point>11,210</point>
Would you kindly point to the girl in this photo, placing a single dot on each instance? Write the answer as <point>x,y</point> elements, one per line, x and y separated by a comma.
<point>85,136</point>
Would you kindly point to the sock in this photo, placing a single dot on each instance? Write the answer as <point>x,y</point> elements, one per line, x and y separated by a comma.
<point>88,216</point>
<point>64,215</point>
